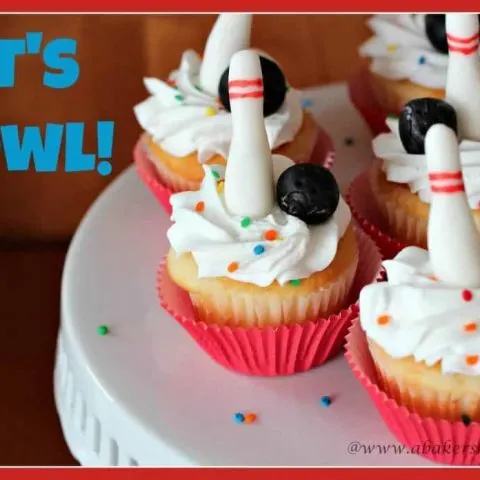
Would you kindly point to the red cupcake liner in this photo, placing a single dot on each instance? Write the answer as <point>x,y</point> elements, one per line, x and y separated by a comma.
<point>322,154</point>
<point>452,443</point>
<point>271,351</point>
<point>363,98</point>
<point>366,213</point>
<point>148,173</point>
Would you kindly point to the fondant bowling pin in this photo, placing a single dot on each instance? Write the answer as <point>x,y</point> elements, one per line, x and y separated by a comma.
<point>249,186</point>
<point>453,239</point>
<point>230,34</point>
<point>463,74</point>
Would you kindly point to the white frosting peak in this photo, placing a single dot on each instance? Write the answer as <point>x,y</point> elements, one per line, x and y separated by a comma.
<point>403,167</point>
<point>183,119</point>
<point>218,239</point>
<point>400,50</point>
<point>413,314</point>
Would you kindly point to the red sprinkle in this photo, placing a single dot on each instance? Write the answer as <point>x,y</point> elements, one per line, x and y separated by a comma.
<point>467,295</point>
<point>232,267</point>
<point>470,327</point>
<point>383,319</point>
<point>471,360</point>
<point>200,207</point>
<point>270,235</point>
<point>250,418</point>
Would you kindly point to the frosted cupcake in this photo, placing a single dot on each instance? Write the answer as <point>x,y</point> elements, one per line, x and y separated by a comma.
<point>422,323</point>
<point>399,176</point>
<point>253,253</point>
<point>187,119</point>
<point>416,349</point>
<point>406,58</point>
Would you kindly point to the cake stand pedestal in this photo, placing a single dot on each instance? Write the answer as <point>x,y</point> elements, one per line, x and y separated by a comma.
<point>145,394</point>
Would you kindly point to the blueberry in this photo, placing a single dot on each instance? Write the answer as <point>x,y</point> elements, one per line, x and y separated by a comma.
<point>274,87</point>
<point>436,31</point>
<point>418,116</point>
<point>309,192</point>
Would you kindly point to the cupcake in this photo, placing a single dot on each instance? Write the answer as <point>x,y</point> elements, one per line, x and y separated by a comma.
<point>268,255</point>
<point>422,324</point>
<point>398,178</point>
<point>406,58</point>
<point>247,258</point>
<point>187,120</point>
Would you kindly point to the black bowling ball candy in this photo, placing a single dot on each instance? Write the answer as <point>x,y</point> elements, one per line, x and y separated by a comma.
<point>418,116</point>
<point>274,87</point>
<point>436,31</point>
<point>309,192</point>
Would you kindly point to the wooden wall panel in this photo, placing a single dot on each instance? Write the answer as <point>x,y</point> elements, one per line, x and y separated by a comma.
<point>115,52</point>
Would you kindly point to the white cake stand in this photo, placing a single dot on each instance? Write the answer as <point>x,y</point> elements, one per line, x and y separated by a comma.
<point>145,394</point>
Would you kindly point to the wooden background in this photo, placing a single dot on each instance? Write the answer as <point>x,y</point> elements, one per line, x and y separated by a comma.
<point>114,53</point>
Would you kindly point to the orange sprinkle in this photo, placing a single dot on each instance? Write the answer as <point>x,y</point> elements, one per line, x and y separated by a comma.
<point>232,267</point>
<point>250,418</point>
<point>471,360</point>
<point>384,319</point>
<point>470,327</point>
<point>433,277</point>
<point>270,235</point>
<point>220,186</point>
<point>200,207</point>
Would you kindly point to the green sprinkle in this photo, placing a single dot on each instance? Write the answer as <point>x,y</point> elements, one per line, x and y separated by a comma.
<point>246,221</point>
<point>215,174</point>
<point>392,117</point>
<point>179,98</point>
<point>197,88</point>
<point>295,283</point>
<point>287,88</point>
<point>102,330</point>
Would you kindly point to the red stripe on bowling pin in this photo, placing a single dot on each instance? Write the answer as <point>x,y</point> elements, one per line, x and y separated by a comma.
<point>245,88</point>
<point>446,182</point>
<point>464,45</point>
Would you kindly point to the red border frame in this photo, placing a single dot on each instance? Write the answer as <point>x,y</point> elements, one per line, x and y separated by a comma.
<point>215,6</point>
<point>254,474</point>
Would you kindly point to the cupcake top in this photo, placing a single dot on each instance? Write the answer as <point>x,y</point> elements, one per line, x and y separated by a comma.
<point>269,219</point>
<point>429,306</point>
<point>416,314</point>
<point>405,47</point>
<point>188,113</point>
<point>400,166</point>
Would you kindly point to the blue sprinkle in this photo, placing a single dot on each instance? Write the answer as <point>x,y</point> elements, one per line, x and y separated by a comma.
<point>325,401</point>
<point>259,249</point>
<point>238,418</point>
<point>306,103</point>
<point>422,60</point>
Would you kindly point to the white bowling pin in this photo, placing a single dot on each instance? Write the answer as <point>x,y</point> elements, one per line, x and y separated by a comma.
<point>463,74</point>
<point>249,188</point>
<point>453,239</point>
<point>230,34</point>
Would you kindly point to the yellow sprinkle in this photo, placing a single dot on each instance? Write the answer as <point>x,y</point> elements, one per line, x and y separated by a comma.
<point>210,111</point>
<point>220,186</point>
<point>392,48</point>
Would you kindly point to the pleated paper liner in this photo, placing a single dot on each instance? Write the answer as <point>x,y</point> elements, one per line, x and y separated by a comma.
<point>362,96</point>
<point>363,206</point>
<point>322,154</point>
<point>272,351</point>
<point>452,443</point>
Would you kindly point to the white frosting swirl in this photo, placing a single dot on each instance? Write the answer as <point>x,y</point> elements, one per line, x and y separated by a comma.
<point>178,121</point>
<point>402,167</point>
<point>216,238</point>
<point>428,319</point>
<point>401,50</point>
